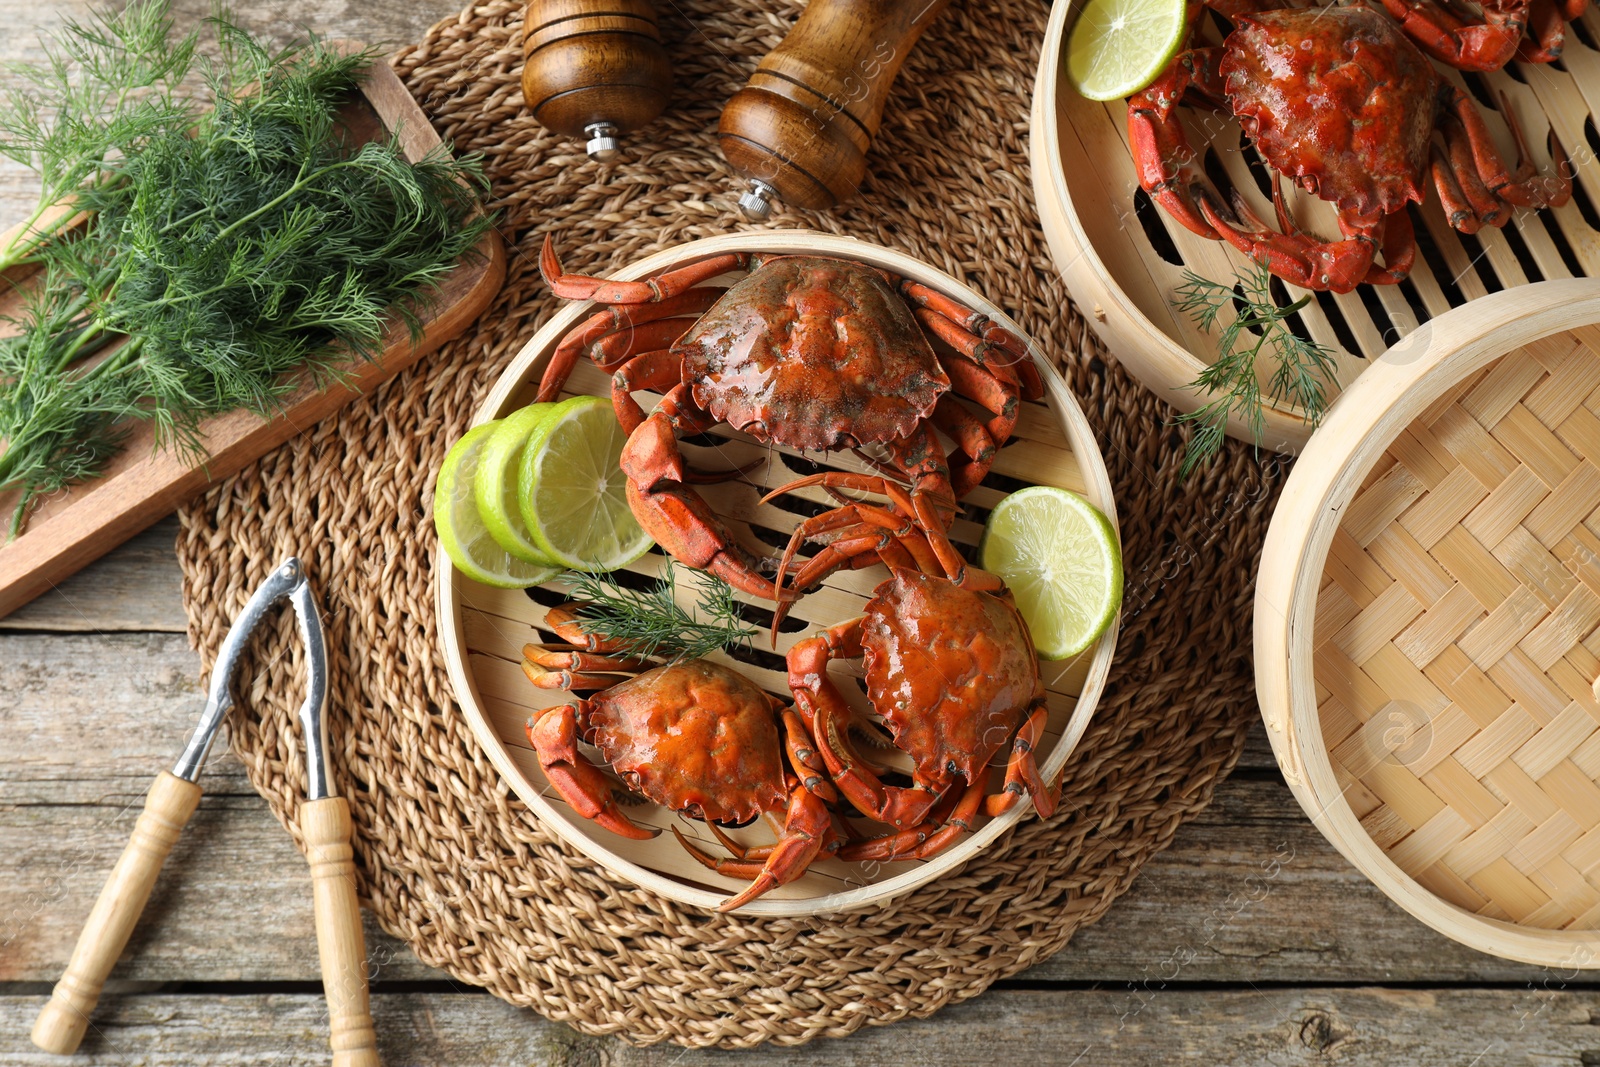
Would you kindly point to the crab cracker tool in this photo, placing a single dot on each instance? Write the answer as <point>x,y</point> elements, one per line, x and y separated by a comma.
<point>324,823</point>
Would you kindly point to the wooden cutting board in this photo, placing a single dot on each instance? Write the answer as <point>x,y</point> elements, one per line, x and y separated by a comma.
<point>142,484</point>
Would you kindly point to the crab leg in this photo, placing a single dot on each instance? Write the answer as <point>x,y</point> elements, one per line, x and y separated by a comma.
<point>1488,45</point>
<point>910,503</point>
<point>649,290</point>
<point>828,714</point>
<point>975,445</point>
<point>952,818</point>
<point>566,621</point>
<point>1547,33</point>
<point>856,520</point>
<point>1299,259</point>
<point>1518,188</point>
<point>567,680</point>
<point>598,327</point>
<point>805,758</point>
<point>553,733</point>
<point>991,382</point>
<point>990,391</point>
<point>806,826</point>
<point>1022,772</point>
<point>1399,251</point>
<point>613,351</point>
<point>677,516</point>
<point>920,296</point>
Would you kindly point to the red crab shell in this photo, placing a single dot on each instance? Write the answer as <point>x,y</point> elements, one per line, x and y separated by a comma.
<point>949,669</point>
<point>815,354</point>
<point>1338,99</point>
<point>695,737</point>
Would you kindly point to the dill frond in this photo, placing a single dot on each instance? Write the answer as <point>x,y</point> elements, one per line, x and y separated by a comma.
<point>650,622</point>
<point>1303,368</point>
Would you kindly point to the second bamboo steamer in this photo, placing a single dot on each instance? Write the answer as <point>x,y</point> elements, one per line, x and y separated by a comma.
<point>1123,259</point>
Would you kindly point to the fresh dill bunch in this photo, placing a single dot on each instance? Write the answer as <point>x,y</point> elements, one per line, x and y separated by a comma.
<point>650,622</point>
<point>1303,368</point>
<point>247,241</point>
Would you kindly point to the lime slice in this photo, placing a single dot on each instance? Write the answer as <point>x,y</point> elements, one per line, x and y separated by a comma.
<point>1118,47</point>
<point>1060,557</point>
<point>462,533</point>
<point>495,483</point>
<point>573,493</point>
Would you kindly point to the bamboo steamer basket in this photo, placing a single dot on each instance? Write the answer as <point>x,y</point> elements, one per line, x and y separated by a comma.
<point>483,630</point>
<point>1427,624</point>
<point>1123,258</point>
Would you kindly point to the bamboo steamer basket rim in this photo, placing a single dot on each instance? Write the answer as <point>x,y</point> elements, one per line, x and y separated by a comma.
<point>1159,362</point>
<point>590,839</point>
<point>1357,431</point>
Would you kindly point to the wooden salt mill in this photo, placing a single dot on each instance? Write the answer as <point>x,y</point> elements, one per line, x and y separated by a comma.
<point>801,128</point>
<point>594,68</point>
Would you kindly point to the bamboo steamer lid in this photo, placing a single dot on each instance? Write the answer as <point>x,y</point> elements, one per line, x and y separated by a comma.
<point>1427,624</point>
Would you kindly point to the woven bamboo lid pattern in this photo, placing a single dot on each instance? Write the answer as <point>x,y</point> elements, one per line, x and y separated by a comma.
<point>1457,621</point>
<point>450,861</point>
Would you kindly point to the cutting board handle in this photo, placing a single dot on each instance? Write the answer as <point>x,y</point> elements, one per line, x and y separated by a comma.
<point>167,808</point>
<point>325,825</point>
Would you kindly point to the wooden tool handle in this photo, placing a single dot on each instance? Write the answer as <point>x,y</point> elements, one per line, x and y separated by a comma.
<point>589,62</point>
<point>325,824</point>
<point>167,807</point>
<point>804,122</point>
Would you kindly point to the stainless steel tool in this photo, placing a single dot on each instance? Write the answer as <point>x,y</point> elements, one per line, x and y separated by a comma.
<point>324,823</point>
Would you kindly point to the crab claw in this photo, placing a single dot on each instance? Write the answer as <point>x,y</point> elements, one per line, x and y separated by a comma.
<point>1334,266</point>
<point>807,825</point>
<point>677,516</point>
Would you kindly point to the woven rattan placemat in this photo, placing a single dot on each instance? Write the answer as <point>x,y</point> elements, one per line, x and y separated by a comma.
<point>452,862</point>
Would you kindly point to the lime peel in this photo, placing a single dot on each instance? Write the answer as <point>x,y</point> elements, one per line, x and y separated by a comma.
<point>462,533</point>
<point>495,483</point>
<point>1060,557</point>
<point>571,490</point>
<point>1118,47</point>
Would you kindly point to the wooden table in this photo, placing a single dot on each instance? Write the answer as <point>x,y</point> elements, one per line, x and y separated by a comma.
<point>1249,942</point>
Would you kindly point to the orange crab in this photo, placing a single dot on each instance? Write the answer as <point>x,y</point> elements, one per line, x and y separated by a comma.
<point>697,738</point>
<point>809,352</point>
<point>949,666</point>
<point>1344,104</point>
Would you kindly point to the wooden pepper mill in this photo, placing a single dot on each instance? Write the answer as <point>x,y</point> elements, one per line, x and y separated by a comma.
<point>802,126</point>
<point>594,68</point>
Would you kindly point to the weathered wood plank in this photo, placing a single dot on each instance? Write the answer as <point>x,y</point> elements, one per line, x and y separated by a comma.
<point>1359,1027</point>
<point>138,587</point>
<point>1250,891</point>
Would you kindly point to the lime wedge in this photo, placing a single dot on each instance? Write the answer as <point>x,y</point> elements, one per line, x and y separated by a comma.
<point>1118,47</point>
<point>573,493</point>
<point>495,483</point>
<point>462,533</point>
<point>1060,557</point>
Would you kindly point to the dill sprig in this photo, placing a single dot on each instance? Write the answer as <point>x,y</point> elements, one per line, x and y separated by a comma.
<point>650,622</point>
<point>233,236</point>
<point>1303,367</point>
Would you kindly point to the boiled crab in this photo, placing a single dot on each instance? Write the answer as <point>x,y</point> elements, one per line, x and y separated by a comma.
<point>1338,99</point>
<point>951,669</point>
<point>810,352</point>
<point>696,737</point>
